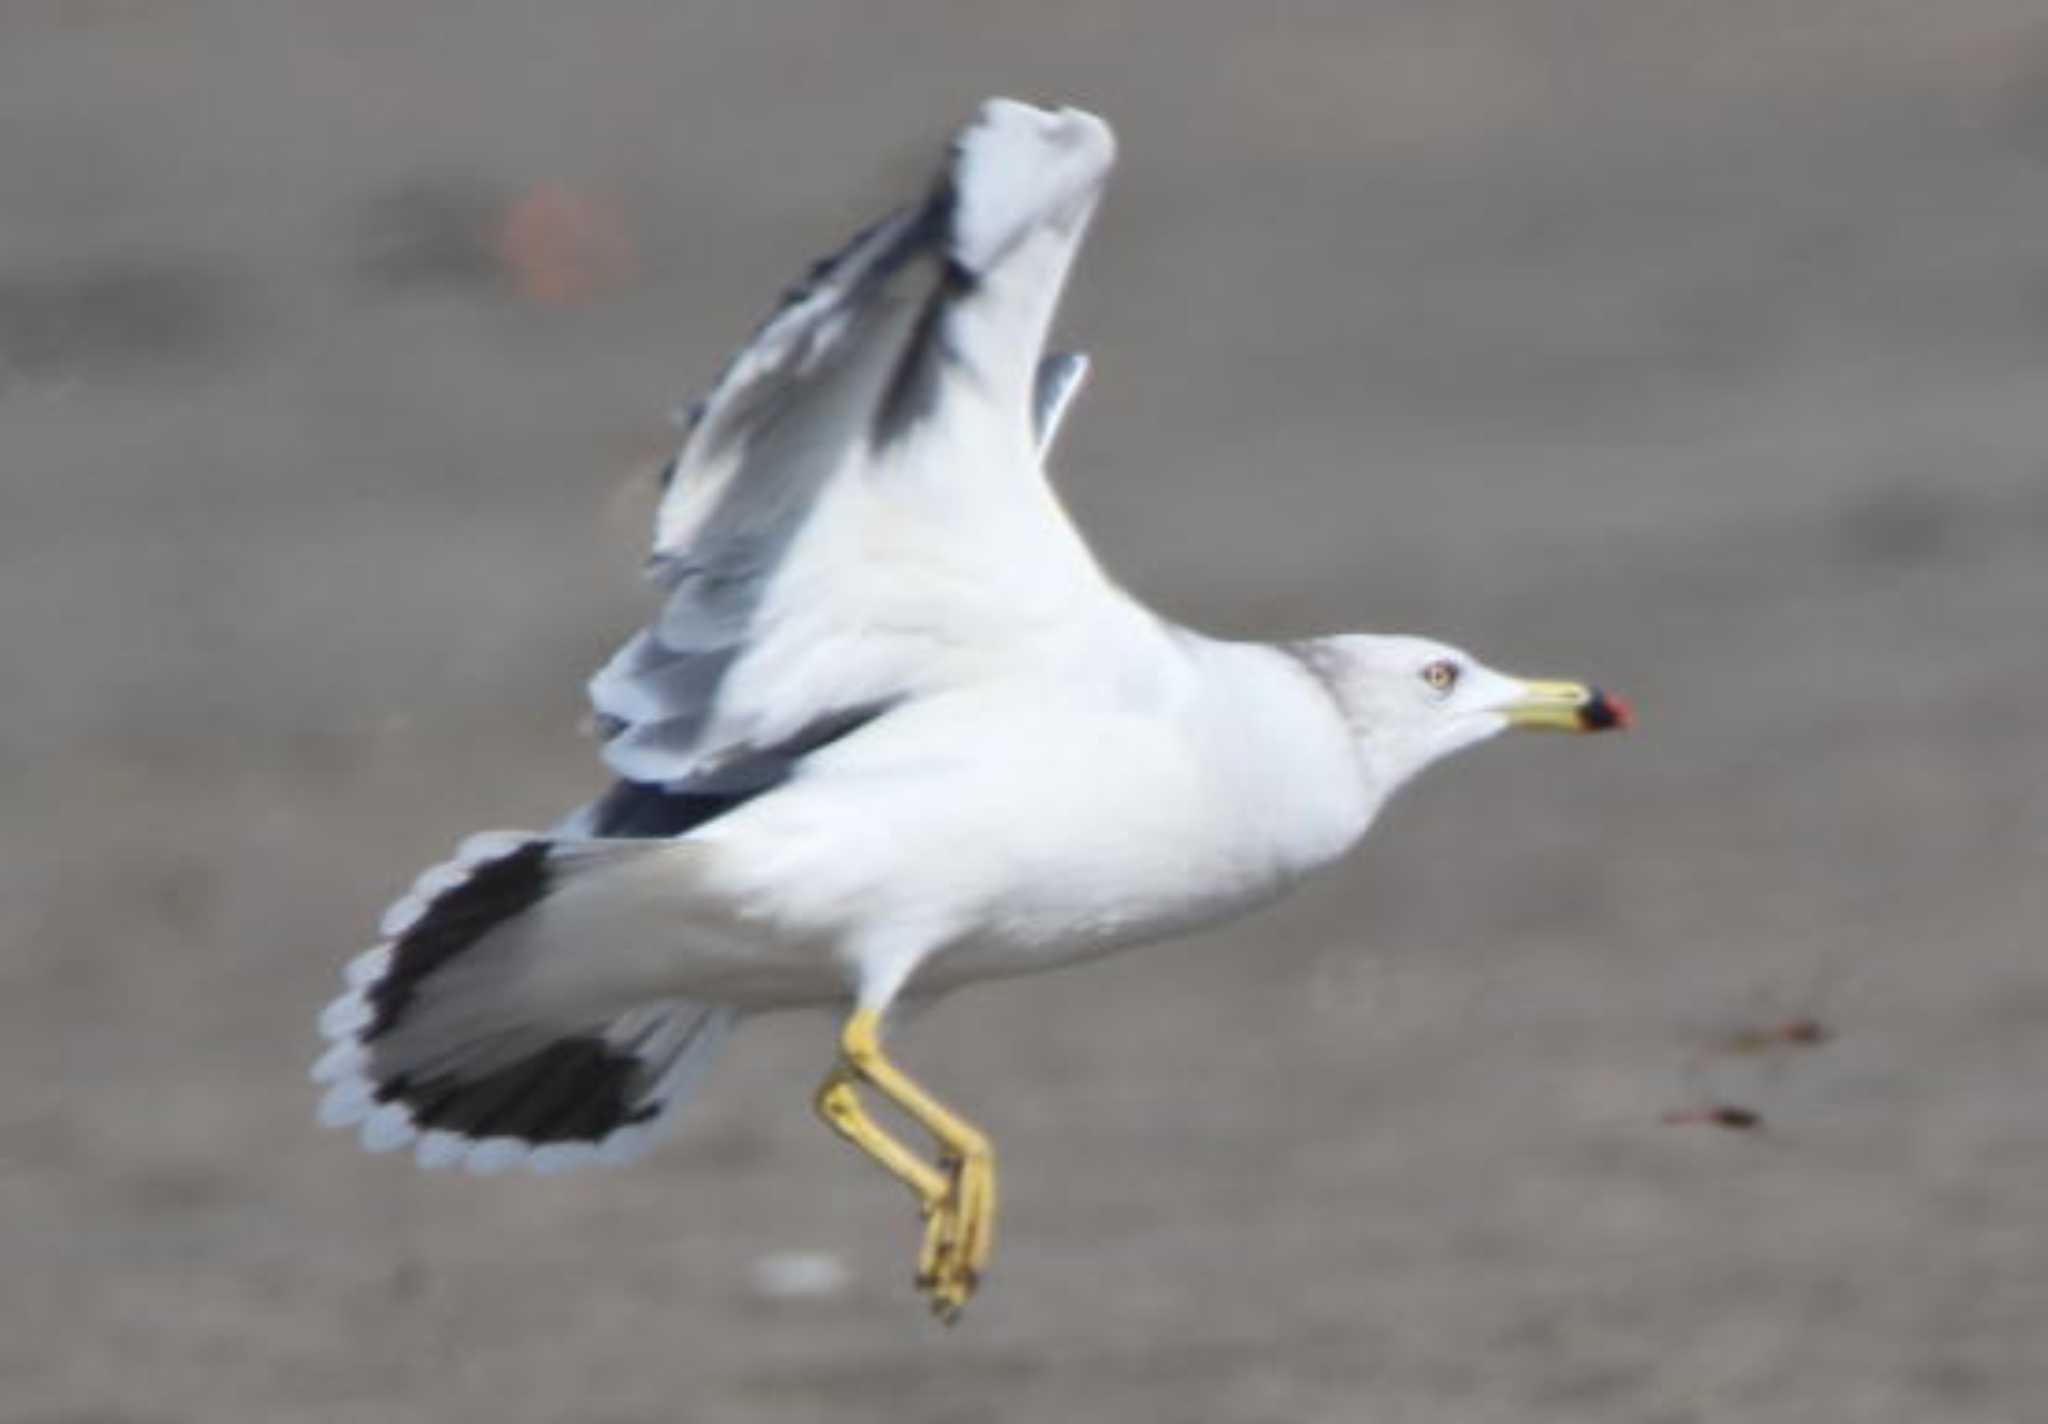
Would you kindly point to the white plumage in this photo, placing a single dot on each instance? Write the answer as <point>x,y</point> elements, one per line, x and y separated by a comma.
<point>893,729</point>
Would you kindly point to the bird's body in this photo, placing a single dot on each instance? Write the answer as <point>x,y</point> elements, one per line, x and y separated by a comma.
<point>969,836</point>
<point>892,731</point>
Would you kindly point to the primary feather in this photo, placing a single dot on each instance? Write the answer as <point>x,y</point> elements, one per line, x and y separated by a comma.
<point>863,487</point>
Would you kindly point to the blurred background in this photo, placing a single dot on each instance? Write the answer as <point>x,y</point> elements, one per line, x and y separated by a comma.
<point>1699,349</point>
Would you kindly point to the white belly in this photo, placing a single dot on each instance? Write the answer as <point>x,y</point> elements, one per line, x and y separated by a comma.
<point>942,847</point>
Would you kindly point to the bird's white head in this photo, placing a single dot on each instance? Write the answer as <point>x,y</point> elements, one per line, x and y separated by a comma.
<point>1413,701</point>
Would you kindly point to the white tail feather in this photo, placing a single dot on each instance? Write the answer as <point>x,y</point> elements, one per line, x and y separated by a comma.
<point>432,1048</point>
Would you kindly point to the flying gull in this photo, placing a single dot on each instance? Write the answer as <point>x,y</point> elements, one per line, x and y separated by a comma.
<point>892,730</point>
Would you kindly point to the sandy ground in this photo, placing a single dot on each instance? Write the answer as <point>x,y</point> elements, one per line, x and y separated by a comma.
<point>1702,349</point>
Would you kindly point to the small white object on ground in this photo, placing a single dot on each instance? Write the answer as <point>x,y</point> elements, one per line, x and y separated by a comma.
<point>800,1275</point>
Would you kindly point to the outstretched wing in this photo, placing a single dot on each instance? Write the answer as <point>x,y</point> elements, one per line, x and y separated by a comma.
<point>859,513</point>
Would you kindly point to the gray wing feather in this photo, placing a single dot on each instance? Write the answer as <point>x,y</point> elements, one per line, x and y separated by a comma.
<point>949,294</point>
<point>1060,377</point>
<point>756,465</point>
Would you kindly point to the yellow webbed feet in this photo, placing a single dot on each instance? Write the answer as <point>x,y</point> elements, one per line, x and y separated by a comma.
<point>959,1236</point>
<point>957,1198</point>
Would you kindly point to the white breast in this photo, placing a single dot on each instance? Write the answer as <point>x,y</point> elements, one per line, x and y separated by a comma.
<point>1027,822</point>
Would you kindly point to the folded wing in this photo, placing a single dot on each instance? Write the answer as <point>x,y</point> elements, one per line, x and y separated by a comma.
<point>859,514</point>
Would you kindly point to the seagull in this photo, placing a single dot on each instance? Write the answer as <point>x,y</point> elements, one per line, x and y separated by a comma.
<point>892,730</point>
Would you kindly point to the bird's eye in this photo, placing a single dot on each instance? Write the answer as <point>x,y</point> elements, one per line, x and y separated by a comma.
<point>1441,675</point>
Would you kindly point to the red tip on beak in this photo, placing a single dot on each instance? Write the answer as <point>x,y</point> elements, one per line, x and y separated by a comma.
<point>1607,713</point>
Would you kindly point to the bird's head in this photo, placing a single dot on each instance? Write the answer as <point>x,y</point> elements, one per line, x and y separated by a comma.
<point>1412,701</point>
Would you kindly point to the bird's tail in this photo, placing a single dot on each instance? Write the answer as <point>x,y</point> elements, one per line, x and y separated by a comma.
<point>460,1037</point>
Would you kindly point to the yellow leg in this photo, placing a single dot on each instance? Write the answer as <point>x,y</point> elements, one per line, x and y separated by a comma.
<point>958,1198</point>
<point>839,1105</point>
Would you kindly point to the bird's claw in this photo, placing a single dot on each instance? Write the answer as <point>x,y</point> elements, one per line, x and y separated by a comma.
<point>959,1236</point>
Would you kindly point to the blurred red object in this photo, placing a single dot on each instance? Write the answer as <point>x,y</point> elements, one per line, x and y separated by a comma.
<point>1735,1119</point>
<point>560,246</point>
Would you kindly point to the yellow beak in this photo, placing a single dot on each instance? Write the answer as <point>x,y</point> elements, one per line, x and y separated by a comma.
<point>1567,707</point>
